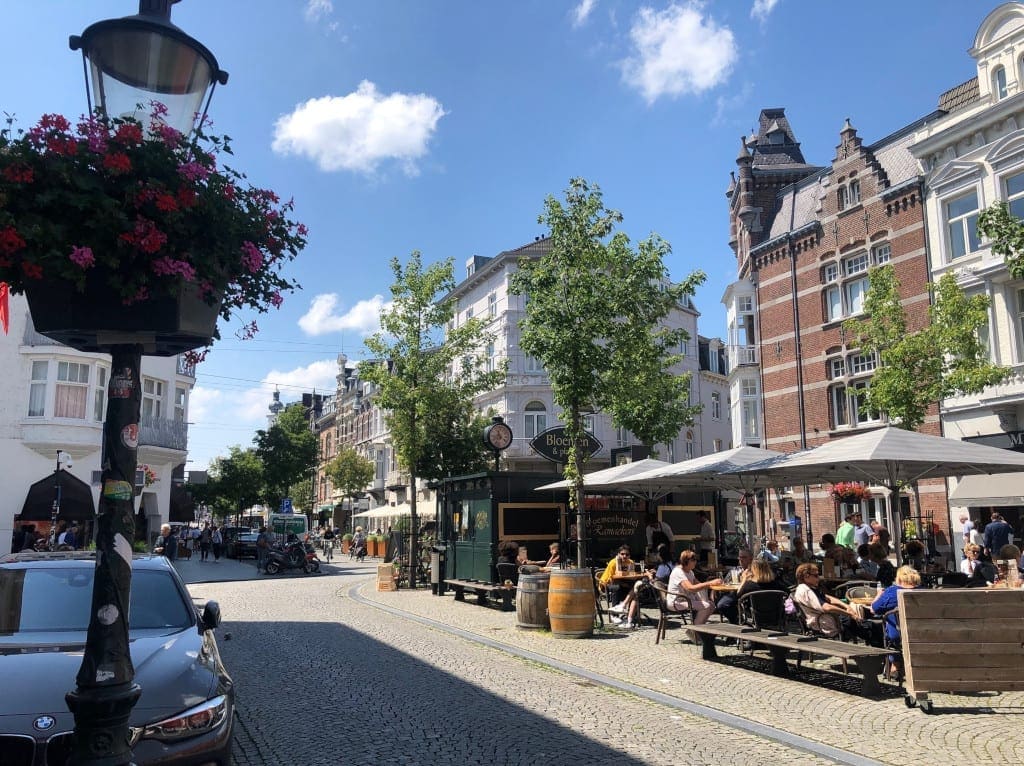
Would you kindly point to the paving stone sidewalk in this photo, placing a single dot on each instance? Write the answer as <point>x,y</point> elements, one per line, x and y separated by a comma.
<point>818,703</point>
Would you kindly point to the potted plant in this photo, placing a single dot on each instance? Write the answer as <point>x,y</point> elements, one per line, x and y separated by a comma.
<point>114,226</point>
<point>346,542</point>
<point>849,492</point>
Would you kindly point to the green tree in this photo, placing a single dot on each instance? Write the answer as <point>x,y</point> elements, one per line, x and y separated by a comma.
<point>349,473</point>
<point>1006,233</point>
<point>288,450</point>
<point>235,483</point>
<point>453,443</point>
<point>419,369</point>
<point>595,317</point>
<point>917,369</point>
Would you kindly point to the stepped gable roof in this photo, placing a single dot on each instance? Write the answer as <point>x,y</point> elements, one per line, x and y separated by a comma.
<point>770,153</point>
<point>964,94</point>
<point>798,205</point>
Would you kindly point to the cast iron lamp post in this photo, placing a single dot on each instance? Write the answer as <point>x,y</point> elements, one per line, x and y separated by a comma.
<point>128,62</point>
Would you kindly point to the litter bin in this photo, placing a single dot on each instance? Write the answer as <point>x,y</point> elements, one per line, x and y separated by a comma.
<point>437,565</point>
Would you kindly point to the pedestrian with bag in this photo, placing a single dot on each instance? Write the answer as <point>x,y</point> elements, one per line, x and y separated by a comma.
<point>217,540</point>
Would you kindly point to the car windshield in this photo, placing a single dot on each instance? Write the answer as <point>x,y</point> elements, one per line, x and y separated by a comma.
<point>58,599</point>
<point>248,537</point>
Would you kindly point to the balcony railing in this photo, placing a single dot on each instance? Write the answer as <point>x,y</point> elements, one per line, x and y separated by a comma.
<point>162,432</point>
<point>185,367</point>
<point>740,355</point>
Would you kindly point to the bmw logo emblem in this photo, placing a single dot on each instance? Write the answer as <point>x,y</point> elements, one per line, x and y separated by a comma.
<point>44,723</point>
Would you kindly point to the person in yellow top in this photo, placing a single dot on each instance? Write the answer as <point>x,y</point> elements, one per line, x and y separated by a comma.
<point>620,565</point>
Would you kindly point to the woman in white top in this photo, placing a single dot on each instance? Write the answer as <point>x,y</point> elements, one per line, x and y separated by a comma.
<point>686,592</point>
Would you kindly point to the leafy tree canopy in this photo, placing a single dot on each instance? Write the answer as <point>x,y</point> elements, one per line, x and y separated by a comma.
<point>349,473</point>
<point>288,450</point>
<point>235,482</point>
<point>918,369</point>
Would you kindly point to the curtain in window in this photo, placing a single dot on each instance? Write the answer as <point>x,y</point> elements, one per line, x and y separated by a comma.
<point>70,402</point>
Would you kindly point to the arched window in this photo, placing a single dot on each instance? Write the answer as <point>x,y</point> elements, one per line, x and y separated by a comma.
<point>999,83</point>
<point>536,419</point>
<point>689,445</point>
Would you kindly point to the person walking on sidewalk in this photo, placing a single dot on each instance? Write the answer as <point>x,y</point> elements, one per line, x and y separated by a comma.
<point>217,541</point>
<point>205,540</point>
<point>166,544</point>
<point>262,550</point>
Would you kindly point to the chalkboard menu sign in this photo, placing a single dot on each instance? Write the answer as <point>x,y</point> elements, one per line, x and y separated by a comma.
<point>530,521</point>
<point>684,519</point>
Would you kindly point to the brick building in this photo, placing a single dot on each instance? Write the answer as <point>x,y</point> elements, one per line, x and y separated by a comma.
<point>805,238</point>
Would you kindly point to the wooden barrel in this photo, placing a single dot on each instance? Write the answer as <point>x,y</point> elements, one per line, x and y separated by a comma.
<point>571,604</point>
<point>532,601</point>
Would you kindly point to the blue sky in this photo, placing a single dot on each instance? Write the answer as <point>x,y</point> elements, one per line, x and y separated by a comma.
<point>400,125</point>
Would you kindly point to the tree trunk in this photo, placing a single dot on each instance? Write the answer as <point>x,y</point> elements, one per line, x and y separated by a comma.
<point>413,526</point>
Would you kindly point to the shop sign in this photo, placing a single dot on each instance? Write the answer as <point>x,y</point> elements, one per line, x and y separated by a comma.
<point>553,445</point>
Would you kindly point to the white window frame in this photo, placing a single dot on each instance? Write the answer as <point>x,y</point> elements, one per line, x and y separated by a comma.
<point>745,304</point>
<point>862,363</point>
<point>1014,199</point>
<point>855,292</point>
<point>492,304</point>
<point>955,225</point>
<point>688,446</point>
<point>830,273</point>
<point>99,395</point>
<point>535,418</point>
<point>839,399</point>
<point>621,436</point>
<point>853,193</point>
<point>153,397</point>
<point>588,423</point>
<point>39,374</point>
<point>999,83</point>
<point>833,303</point>
<point>181,405</point>
<point>881,254</point>
<point>532,364</point>
<point>748,388</point>
<point>716,406</point>
<point>69,379</point>
<point>489,360</point>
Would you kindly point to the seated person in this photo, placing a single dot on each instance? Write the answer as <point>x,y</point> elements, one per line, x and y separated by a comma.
<point>886,574</point>
<point>770,552</point>
<point>631,604</point>
<point>727,601</point>
<point>554,558</point>
<point>622,564</point>
<point>797,554</point>
<point>913,554</point>
<point>829,549</point>
<point>825,614</point>
<point>762,577</point>
<point>686,592</point>
<point>508,552</point>
<point>972,557</point>
<point>866,568</point>
<point>886,601</point>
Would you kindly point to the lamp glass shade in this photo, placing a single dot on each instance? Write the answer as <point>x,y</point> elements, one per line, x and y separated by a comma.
<point>133,64</point>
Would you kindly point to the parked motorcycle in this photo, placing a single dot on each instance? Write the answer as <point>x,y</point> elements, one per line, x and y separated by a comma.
<point>294,554</point>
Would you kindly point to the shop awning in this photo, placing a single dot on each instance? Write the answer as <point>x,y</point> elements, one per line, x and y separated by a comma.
<point>982,490</point>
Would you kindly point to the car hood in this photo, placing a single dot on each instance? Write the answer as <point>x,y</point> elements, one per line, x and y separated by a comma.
<point>176,669</point>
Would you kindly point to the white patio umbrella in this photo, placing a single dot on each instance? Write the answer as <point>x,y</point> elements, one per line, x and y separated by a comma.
<point>596,479</point>
<point>887,457</point>
<point>712,472</point>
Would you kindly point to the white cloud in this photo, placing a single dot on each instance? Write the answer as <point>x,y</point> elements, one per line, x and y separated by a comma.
<point>318,9</point>
<point>323,316</point>
<point>678,51</point>
<point>762,8</point>
<point>203,402</point>
<point>359,131</point>
<point>582,12</point>
<point>251,404</point>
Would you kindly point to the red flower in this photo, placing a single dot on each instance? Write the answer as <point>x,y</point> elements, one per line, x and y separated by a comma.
<point>117,163</point>
<point>32,270</point>
<point>10,241</point>
<point>128,133</point>
<point>166,202</point>
<point>18,174</point>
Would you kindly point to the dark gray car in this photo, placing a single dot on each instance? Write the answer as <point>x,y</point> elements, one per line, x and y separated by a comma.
<point>185,714</point>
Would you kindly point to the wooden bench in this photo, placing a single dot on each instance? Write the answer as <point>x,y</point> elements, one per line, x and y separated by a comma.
<point>961,640</point>
<point>483,590</point>
<point>868,659</point>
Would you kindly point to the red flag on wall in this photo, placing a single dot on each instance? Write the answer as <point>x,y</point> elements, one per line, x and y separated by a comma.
<point>5,312</point>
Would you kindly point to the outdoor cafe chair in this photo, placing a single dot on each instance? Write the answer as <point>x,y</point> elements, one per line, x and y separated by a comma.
<point>807,630</point>
<point>665,613</point>
<point>763,609</point>
<point>508,572</point>
<point>842,590</point>
<point>862,591</point>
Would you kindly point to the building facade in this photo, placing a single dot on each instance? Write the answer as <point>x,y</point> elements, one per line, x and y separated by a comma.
<point>526,402</point>
<point>805,238</point>
<point>56,402</point>
<point>972,156</point>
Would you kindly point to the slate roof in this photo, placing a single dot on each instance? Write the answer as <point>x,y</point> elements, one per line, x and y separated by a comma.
<point>769,156</point>
<point>962,95</point>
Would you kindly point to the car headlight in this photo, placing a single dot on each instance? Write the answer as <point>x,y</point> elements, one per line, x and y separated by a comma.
<point>188,723</point>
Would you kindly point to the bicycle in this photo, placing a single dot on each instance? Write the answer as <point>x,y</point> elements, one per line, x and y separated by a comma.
<point>328,549</point>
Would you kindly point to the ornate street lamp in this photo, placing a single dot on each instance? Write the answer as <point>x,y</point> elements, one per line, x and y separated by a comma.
<point>132,61</point>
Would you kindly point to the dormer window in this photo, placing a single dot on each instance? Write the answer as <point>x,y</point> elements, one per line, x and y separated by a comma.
<point>999,83</point>
<point>776,137</point>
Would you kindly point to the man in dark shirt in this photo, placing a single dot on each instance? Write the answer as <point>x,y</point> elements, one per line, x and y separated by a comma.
<point>997,534</point>
<point>166,544</point>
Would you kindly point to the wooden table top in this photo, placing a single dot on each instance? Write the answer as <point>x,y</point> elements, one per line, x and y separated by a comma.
<point>725,588</point>
<point>863,600</point>
<point>628,576</point>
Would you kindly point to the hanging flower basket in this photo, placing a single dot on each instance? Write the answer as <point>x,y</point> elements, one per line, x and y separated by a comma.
<point>122,233</point>
<point>849,492</point>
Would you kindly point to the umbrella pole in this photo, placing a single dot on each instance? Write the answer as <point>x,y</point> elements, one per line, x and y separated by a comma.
<point>896,517</point>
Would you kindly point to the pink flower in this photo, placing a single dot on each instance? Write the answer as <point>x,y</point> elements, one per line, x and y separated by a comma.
<point>276,300</point>
<point>252,258</point>
<point>167,266</point>
<point>193,171</point>
<point>82,256</point>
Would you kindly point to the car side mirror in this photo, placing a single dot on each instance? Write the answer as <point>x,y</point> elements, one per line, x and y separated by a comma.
<point>211,616</point>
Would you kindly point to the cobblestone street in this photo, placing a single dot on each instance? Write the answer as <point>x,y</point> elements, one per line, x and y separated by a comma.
<point>330,671</point>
